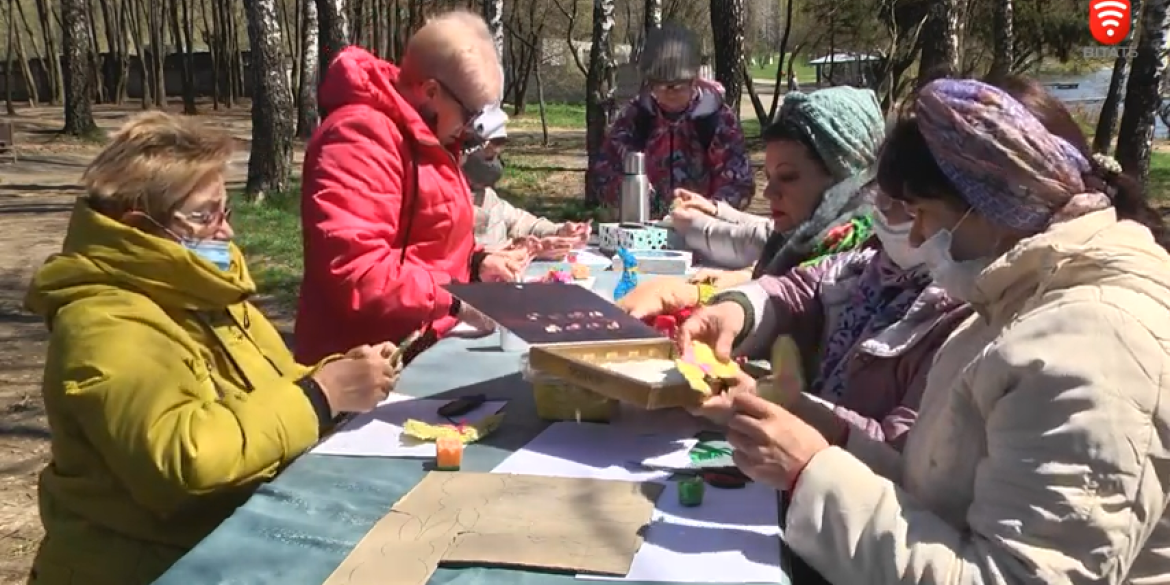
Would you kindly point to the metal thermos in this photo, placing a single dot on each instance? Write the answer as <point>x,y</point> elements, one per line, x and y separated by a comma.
<point>635,207</point>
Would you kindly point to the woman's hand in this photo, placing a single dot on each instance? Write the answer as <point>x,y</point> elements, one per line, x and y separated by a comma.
<point>658,296</point>
<point>556,247</point>
<point>578,231</point>
<point>717,407</point>
<point>716,325</point>
<point>772,445</point>
<point>722,279</point>
<point>695,202</point>
<point>507,265</point>
<point>360,380</point>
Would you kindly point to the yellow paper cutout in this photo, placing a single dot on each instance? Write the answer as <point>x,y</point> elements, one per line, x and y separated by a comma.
<point>787,372</point>
<point>701,364</point>
<point>468,433</point>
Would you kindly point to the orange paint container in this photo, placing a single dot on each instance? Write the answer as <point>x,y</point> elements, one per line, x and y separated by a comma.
<point>448,454</point>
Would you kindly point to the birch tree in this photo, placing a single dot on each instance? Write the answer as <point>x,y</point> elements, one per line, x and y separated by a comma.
<point>1142,94</point>
<point>493,13</point>
<point>727,28</point>
<point>76,42</point>
<point>310,69</point>
<point>270,161</point>
<point>1003,54</point>
<point>334,32</point>
<point>598,89</point>
<point>1107,118</point>
<point>941,40</point>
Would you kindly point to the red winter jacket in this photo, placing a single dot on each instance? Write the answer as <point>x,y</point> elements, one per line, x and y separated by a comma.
<point>377,247</point>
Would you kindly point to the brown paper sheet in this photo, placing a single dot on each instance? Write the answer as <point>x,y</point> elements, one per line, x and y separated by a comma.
<point>579,525</point>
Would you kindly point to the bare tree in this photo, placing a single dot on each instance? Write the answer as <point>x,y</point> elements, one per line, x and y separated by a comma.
<point>310,69</point>
<point>270,162</point>
<point>1003,54</point>
<point>1107,118</point>
<point>727,28</point>
<point>78,82</point>
<point>1142,93</point>
<point>599,88</point>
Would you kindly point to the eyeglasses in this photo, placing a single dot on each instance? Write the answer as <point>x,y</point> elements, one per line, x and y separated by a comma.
<point>469,115</point>
<point>206,218</point>
<point>890,207</point>
<point>670,87</point>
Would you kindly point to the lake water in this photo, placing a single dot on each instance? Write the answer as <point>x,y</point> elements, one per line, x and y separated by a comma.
<point>1085,101</point>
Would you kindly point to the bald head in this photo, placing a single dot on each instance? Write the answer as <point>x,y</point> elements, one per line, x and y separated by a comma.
<point>457,49</point>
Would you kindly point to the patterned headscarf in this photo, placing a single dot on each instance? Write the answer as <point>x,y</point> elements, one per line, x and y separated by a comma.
<point>1002,160</point>
<point>844,124</point>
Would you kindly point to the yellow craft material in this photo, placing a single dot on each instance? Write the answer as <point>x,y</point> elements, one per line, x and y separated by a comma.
<point>466,434</point>
<point>786,372</point>
<point>700,365</point>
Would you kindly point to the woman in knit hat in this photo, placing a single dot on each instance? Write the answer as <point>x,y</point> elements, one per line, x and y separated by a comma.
<point>1040,450</point>
<point>691,138</point>
<point>819,153</point>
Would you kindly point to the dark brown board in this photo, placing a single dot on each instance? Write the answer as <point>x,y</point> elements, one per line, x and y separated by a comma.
<point>529,309</point>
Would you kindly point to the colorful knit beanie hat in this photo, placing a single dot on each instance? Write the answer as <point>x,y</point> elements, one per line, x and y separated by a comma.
<point>844,124</point>
<point>1001,159</point>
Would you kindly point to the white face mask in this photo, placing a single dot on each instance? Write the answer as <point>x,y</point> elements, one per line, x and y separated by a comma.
<point>956,278</point>
<point>896,242</point>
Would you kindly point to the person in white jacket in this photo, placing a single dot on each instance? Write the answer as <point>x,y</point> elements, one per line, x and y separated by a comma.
<point>1041,453</point>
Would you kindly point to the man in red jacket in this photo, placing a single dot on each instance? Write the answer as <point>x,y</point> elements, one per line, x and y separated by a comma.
<point>386,212</point>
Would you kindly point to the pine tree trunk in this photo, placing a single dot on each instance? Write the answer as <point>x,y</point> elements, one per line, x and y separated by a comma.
<point>270,163</point>
<point>310,69</point>
<point>1107,118</point>
<point>727,24</point>
<point>1143,92</point>
<point>1003,52</point>
<point>75,40</point>
<point>598,89</point>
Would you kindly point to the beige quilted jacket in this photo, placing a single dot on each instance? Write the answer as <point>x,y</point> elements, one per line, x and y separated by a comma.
<point>1040,452</point>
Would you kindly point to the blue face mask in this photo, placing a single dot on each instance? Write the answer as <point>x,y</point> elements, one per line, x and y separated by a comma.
<point>217,252</point>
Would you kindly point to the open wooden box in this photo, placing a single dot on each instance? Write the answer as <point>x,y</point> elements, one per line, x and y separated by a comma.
<point>582,364</point>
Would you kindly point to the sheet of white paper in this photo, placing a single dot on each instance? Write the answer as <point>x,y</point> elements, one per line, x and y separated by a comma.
<point>463,328</point>
<point>732,537</point>
<point>593,258</point>
<point>378,433</point>
<point>592,450</point>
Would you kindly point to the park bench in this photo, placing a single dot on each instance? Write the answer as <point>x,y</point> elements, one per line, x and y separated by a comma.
<point>7,140</point>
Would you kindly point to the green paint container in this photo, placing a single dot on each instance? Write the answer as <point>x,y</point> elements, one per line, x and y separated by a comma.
<point>690,491</point>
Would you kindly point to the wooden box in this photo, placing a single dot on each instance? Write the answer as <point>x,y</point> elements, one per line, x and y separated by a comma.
<point>582,365</point>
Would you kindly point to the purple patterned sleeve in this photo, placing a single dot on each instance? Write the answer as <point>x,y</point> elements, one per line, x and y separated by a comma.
<point>731,171</point>
<point>607,168</point>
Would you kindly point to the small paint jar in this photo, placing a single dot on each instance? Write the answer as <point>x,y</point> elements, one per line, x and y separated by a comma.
<point>448,454</point>
<point>690,491</point>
